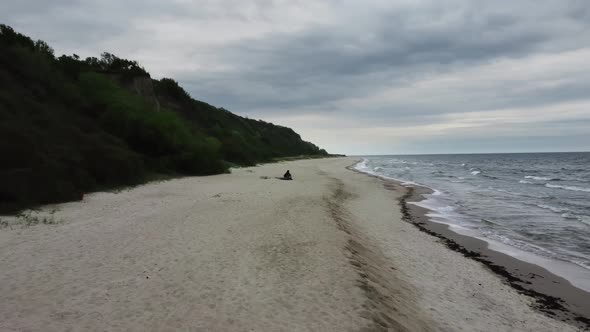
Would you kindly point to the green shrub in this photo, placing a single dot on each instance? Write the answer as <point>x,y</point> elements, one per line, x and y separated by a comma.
<point>70,126</point>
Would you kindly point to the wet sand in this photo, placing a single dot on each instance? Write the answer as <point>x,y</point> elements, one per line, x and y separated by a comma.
<point>555,296</point>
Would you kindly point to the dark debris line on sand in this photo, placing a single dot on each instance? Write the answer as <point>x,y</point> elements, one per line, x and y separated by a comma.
<point>386,306</point>
<point>549,305</point>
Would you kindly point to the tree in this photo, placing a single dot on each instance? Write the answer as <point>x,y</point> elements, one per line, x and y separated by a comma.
<point>42,47</point>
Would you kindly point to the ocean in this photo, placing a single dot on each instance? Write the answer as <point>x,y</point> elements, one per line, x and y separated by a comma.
<point>534,206</point>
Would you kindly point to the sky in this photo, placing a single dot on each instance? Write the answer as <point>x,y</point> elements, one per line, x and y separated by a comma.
<point>356,77</point>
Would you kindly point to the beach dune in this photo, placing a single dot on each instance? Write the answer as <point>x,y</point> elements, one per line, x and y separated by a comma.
<point>245,251</point>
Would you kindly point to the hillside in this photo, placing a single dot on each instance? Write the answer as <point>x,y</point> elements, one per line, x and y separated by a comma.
<point>70,126</point>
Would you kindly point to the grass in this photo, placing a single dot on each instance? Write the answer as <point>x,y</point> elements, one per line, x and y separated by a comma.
<point>28,218</point>
<point>304,156</point>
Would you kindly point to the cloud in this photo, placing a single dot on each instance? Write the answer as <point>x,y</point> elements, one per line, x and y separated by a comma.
<point>374,67</point>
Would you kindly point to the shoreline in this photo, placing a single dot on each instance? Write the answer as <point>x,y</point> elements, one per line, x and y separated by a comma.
<point>554,296</point>
<point>328,251</point>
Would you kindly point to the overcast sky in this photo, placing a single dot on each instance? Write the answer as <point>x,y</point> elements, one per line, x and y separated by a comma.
<point>356,77</point>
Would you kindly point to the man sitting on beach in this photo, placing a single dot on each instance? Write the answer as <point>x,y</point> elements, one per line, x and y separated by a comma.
<point>287,176</point>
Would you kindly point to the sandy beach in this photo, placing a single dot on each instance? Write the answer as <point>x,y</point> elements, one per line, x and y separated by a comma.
<point>328,251</point>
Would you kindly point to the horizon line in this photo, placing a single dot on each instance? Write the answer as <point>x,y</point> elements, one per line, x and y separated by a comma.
<point>458,153</point>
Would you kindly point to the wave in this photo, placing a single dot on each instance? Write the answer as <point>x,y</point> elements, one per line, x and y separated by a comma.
<point>541,178</point>
<point>475,172</point>
<point>440,211</point>
<point>571,188</point>
<point>489,222</point>
<point>538,178</point>
<point>364,168</point>
<point>508,192</point>
<point>447,208</point>
<point>517,193</point>
<point>576,204</point>
<point>552,208</point>
<point>525,182</point>
<point>361,164</point>
<point>583,219</point>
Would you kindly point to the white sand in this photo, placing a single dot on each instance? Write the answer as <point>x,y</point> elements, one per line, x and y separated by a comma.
<point>325,252</point>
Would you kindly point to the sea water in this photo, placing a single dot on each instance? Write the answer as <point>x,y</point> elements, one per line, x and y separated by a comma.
<point>535,206</point>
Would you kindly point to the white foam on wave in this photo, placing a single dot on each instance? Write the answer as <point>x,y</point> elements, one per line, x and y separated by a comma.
<point>475,172</point>
<point>361,165</point>
<point>573,271</point>
<point>442,213</point>
<point>581,218</point>
<point>538,178</point>
<point>364,168</point>
<point>446,208</point>
<point>435,192</point>
<point>439,211</point>
<point>525,182</point>
<point>584,220</point>
<point>571,188</point>
<point>552,208</point>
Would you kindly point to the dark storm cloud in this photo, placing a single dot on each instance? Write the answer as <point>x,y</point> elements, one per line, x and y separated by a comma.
<point>325,63</point>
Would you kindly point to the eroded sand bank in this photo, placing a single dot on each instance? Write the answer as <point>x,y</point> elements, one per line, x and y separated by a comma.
<point>245,251</point>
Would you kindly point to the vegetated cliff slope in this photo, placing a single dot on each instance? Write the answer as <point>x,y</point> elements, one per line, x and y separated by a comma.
<point>69,126</point>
